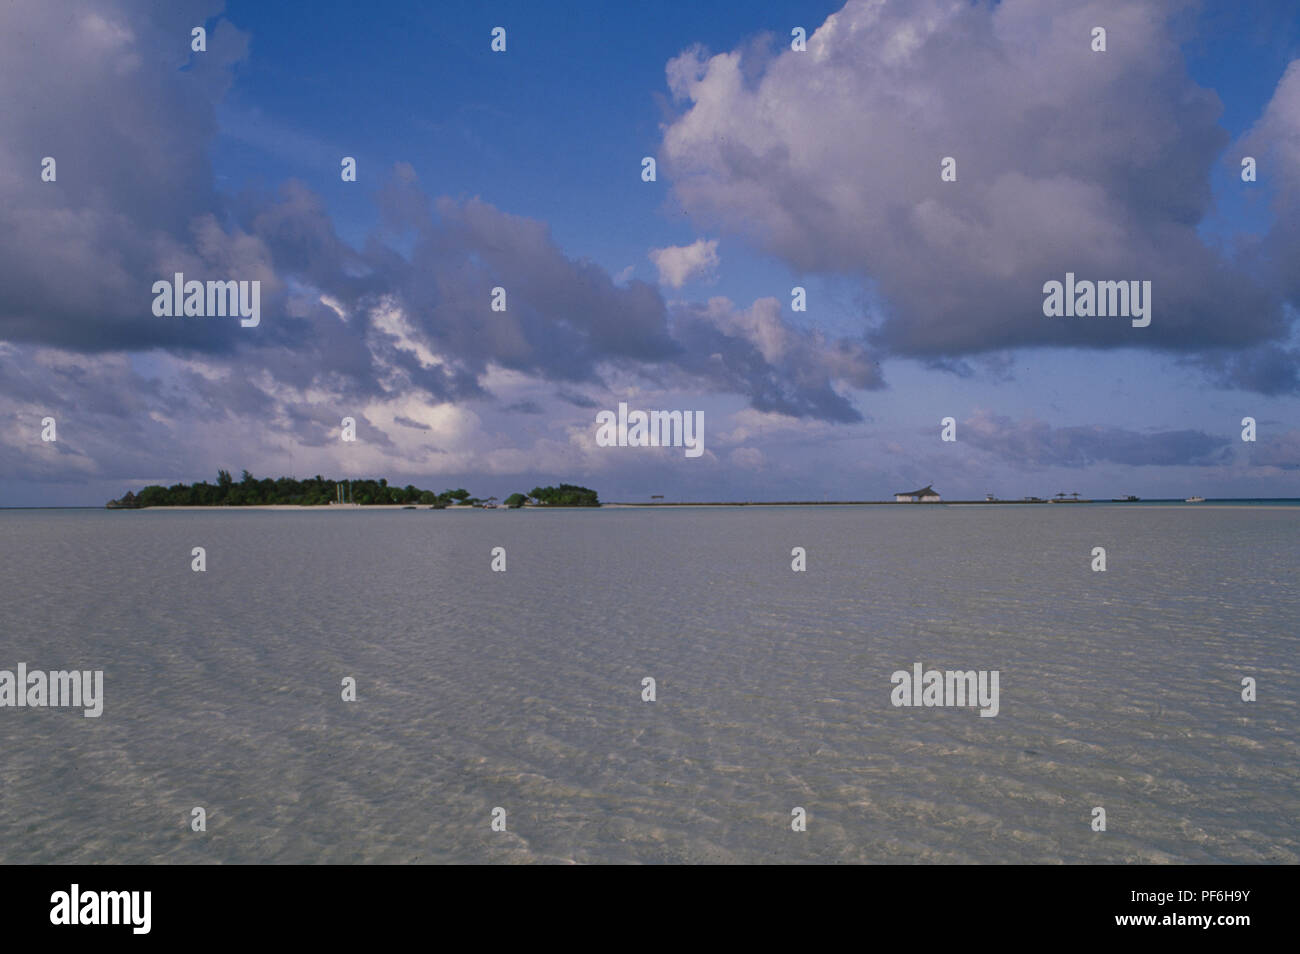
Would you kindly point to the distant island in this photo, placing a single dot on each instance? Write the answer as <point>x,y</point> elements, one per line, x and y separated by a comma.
<point>319,491</point>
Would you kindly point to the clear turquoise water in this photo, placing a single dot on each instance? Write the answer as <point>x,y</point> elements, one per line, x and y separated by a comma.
<point>522,690</point>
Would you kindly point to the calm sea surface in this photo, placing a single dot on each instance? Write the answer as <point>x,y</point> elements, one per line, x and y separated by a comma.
<point>523,689</point>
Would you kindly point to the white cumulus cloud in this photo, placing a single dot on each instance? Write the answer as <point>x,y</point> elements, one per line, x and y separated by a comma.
<point>678,264</point>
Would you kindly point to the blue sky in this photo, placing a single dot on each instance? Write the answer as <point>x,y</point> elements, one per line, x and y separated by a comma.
<point>555,129</point>
<point>803,171</point>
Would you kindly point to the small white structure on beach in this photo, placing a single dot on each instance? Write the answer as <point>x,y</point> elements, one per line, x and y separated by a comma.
<point>926,494</point>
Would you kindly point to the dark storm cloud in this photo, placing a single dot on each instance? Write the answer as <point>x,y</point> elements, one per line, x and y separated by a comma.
<point>778,368</point>
<point>407,422</point>
<point>525,407</point>
<point>105,90</point>
<point>1038,444</point>
<point>113,92</point>
<point>1282,451</point>
<point>577,400</point>
<point>1269,369</point>
<point>76,385</point>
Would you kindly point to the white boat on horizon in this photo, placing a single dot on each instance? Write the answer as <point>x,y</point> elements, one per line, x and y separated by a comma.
<point>1194,500</point>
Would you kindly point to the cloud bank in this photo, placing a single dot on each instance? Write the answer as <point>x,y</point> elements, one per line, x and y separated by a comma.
<point>1067,160</point>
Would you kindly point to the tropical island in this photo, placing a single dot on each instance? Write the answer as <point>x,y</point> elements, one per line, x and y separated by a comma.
<point>319,491</point>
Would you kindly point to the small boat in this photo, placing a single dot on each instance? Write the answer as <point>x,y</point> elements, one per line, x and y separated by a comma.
<point>1194,500</point>
<point>1129,499</point>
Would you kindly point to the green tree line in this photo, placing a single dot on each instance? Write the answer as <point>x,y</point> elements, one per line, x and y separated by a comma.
<point>565,495</point>
<point>318,491</point>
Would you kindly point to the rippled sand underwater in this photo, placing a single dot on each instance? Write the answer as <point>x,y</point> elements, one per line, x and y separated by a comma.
<point>523,689</point>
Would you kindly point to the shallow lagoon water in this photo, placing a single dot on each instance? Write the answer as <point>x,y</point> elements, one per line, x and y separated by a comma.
<point>523,689</point>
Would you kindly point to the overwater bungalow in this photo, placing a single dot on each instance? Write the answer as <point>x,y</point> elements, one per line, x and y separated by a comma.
<point>926,494</point>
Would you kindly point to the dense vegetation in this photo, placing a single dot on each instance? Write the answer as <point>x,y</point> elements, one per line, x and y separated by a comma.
<point>565,495</point>
<point>318,491</point>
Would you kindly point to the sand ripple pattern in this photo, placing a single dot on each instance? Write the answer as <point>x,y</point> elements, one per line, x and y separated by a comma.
<point>522,689</point>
